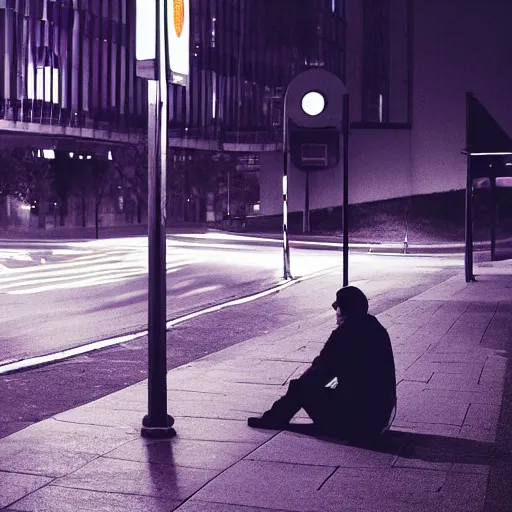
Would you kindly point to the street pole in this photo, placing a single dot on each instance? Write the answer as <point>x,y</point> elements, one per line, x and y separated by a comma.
<point>157,423</point>
<point>345,128</point>
<point>493,216</point>
<point>468,256</point>
<point>468,260</point>
<point>286,243</point>
<point>305,224</point>
<point>229,194</point>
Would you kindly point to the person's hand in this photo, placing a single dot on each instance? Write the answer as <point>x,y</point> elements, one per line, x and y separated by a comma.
<point>333,384</point>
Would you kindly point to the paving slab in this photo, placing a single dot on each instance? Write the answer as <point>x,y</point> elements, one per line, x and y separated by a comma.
<point>484,416</point>
<point>191,453</point>
<point>54,448</point>
<point>63,499</point>
<point>382,489</point>
<point>478,433</point>
<point>210,429</point>
<point>454,381</point>
<point>270,485</point>
<point>431,409</point>
<point>194,505</point>
<point>483,395</point>
<point>407,388</point>
<point>427,428</point>
<point>17,485</point>
<point>294,448</point>
<point>146,479</point>
<point>41,460</point>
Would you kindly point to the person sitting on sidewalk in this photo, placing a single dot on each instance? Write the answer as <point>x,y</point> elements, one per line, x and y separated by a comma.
<point>350,388</point>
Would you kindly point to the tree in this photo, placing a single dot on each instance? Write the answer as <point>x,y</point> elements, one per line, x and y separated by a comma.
<point>131,164</point>
<point>31,180</point>
<point>195,174</point>
<point>100,175</point>
<point>8,173</point>
<point>92,178</point>
<point>66,172</point>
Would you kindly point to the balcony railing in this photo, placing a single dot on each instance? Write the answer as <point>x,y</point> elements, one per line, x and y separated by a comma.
<point>45,113</point>
<point>110,120</point>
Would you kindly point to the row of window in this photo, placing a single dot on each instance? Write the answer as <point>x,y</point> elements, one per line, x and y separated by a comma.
<point>70,63</point>
<point>73,62</point>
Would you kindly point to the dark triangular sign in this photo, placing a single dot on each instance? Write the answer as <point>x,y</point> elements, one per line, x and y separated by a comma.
<point>485,135</point>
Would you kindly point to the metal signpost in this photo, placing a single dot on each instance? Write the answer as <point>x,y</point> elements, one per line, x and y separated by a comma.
<point>159,28</point>
<point>286,159</point>
<point>485,139</point>
<point>345,130</point>
<point>315,113</point>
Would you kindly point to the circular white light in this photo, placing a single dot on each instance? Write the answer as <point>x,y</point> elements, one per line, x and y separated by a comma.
<point>313,103</point>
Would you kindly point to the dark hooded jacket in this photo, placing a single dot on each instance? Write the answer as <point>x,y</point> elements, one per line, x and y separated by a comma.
<point>359,354</point>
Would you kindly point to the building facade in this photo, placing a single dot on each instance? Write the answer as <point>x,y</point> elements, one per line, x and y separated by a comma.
<point>409,65</point>
<point>67,79</point>
<point>71,64</point>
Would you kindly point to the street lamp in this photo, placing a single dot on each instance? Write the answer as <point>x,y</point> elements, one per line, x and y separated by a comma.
<point>313,103</point>
<point>155,19</point>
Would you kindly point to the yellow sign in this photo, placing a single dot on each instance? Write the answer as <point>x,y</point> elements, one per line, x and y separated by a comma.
<point>178,36</point>
<point>179,16</point>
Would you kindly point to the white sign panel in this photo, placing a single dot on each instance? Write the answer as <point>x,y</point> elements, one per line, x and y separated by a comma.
<point>178,27</point>
<point>145,30</point>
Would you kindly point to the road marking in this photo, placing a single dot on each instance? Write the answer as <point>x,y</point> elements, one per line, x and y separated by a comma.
<point>33,362</point>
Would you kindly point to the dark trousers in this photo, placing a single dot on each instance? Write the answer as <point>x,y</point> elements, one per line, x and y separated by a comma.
<point>328,411</point>
<point>321,404</point>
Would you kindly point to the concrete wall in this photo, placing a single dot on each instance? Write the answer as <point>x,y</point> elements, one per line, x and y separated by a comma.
<point>379,165</point>
<point>459,46</point>
<point>379,168</point>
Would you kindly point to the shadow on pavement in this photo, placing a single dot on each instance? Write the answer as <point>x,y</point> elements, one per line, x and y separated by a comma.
<point>425,447</point>
<point>162,469</point>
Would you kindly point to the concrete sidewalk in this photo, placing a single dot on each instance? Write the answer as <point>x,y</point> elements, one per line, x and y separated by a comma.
<point>449,448</point>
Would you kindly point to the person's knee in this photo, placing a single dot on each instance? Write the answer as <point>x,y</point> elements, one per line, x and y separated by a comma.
<point>297,387</point>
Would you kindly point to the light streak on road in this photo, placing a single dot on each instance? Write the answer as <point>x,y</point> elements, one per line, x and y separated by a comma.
<point>201,289</point>
<point>84,283</point>
<point>99,268</point>
<point>16,255</point>
<point>70,252</point>
<point>101,262</point>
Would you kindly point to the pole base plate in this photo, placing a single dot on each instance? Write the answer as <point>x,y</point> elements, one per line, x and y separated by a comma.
<point>152,430</point>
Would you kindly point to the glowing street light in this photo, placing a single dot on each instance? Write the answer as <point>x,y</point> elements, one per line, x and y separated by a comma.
<point>313,103</point>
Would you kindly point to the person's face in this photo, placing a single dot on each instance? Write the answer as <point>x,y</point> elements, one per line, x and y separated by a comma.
<point>340,317</point>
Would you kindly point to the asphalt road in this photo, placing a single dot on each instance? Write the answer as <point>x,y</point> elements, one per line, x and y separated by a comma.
<point>61,295</point>
<point>30,396</point>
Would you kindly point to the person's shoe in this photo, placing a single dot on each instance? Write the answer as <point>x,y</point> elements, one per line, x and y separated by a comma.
<point>268,422</point>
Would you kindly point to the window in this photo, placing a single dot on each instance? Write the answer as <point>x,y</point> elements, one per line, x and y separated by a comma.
<point>376,60</point>
<point>386,62</point>
<point>43,77</point>
<point>212,36</point>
